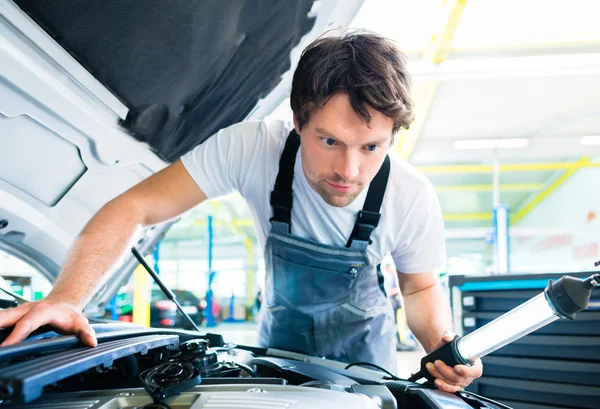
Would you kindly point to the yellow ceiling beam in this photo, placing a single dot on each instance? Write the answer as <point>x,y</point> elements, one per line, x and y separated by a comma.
<point>489,188</point>
<point>540,197</point>
<point>461,217</point>
<point>513,167</point>
<point>242,222</point>
<point>423,92</point>
<point>440,43</point>
<point>235,224</point>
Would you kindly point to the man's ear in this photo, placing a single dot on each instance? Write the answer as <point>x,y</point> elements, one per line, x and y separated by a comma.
<point>296,126</point>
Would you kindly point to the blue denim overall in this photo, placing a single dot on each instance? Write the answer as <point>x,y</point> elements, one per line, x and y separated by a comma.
<point>324,300</point>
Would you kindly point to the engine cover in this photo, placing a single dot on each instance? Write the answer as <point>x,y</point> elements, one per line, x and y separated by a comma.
<point>256,396</point>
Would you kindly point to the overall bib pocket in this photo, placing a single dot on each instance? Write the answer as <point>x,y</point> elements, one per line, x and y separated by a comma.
<point>306,284</point>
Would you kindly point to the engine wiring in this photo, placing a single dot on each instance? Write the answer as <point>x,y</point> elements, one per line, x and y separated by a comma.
<point>391,375</point>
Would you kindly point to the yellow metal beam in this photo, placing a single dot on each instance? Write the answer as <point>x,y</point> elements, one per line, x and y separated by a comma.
<point>235,224</point>
<point>513,167</point>
<point>250,273</point>
<point>460,217</point>
<point>540,197</point>
<point>141,296</point>
<point>423,92</point>
<point>440,43</point>
<point>489,188</point>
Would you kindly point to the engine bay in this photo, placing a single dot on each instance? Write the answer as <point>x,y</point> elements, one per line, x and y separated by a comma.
<point>134,367</point>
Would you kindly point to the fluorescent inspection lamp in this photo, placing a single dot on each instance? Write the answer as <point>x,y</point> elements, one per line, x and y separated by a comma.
<point>561,299</point>
<point>509,143</point>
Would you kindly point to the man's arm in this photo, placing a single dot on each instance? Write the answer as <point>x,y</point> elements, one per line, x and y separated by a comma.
<point>429,317</point>
<point>427,308</point>
<point>160,197</point>
<point>97,250</point>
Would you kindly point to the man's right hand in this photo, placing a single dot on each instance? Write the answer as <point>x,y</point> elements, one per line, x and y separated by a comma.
<point>63,317</point>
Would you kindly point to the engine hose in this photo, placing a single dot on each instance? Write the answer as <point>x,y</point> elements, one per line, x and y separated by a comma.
<point>399,389</point>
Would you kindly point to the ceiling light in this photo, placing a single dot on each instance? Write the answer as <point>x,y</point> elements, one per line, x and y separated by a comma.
<point>590,140</point>
<point>492,143</point>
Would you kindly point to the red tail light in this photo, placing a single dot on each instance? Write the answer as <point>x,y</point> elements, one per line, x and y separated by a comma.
<point>167,322</point>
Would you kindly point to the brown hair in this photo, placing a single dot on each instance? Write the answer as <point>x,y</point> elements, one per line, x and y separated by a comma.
<point>369,68</point>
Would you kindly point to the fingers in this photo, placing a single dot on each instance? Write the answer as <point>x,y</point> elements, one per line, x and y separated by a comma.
<point>448,374</point>
<point>69,321</point>
<point>26,325</point>
<point>85,332</point>
<point>452,379</point>
<point>29,317</point>
<point>440,382</point>
<point>10,316</point>
<point>439,370</point>
<point>474,371</point>
<point>88,338</point>
<point>446,387</point>
<point>433,371</point>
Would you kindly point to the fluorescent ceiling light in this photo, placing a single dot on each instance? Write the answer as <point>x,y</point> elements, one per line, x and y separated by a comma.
<point>492,143</point>
<point>590,140</point>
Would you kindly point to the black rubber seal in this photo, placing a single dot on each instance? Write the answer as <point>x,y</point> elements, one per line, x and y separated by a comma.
<point>568,296</point>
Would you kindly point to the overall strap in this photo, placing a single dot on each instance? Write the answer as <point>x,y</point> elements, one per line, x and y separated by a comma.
<point>281,196</point>
<point>368,217</point>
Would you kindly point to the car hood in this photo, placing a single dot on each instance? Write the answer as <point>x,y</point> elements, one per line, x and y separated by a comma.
<point>97,95</point>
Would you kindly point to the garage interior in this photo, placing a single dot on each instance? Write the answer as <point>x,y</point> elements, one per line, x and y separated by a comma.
<point>507,128</point>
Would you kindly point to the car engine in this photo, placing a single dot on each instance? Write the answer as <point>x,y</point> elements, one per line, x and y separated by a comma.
<point>135,367</point>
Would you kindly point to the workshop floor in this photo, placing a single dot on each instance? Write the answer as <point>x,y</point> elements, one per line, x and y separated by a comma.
<point>245,333</point>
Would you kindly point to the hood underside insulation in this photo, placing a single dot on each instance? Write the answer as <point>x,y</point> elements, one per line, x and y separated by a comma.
<point>184,68</point>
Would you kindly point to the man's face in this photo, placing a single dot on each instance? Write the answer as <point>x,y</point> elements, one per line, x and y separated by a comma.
<point>340,153</point>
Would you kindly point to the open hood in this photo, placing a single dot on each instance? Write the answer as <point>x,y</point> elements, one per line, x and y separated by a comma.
<point>97,95</point>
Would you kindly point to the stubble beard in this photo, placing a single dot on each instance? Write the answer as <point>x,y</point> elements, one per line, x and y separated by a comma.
<point>335,199</point>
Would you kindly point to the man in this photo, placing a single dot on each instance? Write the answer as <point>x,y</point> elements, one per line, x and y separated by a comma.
<point>328,203</point>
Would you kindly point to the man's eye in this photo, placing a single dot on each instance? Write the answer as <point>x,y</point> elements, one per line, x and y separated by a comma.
<point>328,141</point>
<point>371,148</point>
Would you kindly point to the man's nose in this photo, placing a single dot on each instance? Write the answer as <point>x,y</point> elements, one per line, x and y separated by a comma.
<point>347,166</point>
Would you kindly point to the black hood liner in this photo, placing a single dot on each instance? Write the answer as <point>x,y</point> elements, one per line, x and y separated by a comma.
<point>185,68</point>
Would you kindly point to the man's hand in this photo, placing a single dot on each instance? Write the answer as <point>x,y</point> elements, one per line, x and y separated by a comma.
<point>454,379</point>
<point>28,317</point>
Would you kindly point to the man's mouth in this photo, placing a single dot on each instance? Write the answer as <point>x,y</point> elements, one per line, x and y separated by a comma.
<point>340,188</point>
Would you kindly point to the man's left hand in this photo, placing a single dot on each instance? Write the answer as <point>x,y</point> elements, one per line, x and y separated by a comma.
<point>454,379</point>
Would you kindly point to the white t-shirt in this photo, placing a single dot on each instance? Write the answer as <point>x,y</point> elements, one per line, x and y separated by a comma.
<point>244,158</point>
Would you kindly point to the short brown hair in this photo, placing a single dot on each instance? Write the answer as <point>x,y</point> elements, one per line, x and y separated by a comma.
<point>369,68</point>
